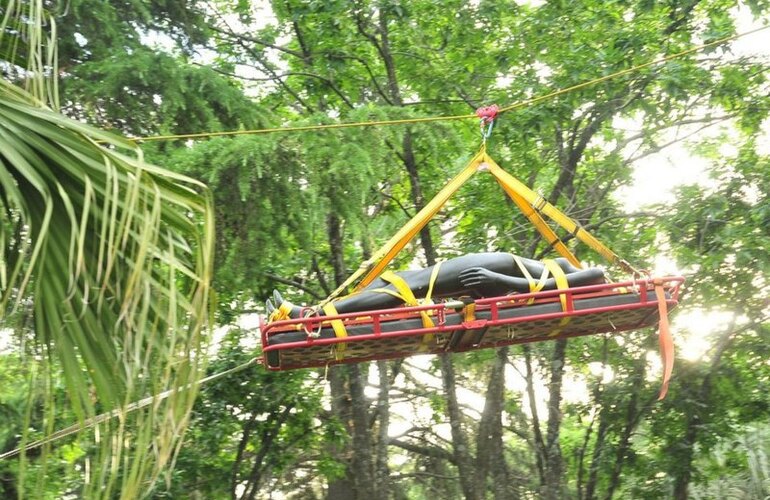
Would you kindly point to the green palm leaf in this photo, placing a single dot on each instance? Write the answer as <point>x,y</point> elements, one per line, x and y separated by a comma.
<point>112,259</point>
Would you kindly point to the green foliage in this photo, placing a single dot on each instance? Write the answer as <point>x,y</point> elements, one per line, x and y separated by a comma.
<point>14,392</point>
<point>299,211</point>
<point>91,30</point>
<point>738,468</point>
<point>144,92</point>
<point>107,259</point>
<point>724,230</point>
<point>251,429</point>
<point>275,195</point>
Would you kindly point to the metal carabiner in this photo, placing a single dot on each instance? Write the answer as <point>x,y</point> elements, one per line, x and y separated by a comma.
<point>487,115</point>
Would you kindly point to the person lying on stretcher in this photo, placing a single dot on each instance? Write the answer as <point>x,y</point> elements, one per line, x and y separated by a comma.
<point>487,274</point>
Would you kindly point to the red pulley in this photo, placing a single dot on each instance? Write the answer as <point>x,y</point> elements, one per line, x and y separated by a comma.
<point>487,113</point>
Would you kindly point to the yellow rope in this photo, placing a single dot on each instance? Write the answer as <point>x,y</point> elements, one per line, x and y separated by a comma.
<point>300,129</point>
<point>654,62</point>
<point>121,412</point>
<point>520,104</point>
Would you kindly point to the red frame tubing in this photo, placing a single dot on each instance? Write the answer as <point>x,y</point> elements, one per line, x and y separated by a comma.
<point>492,305</point>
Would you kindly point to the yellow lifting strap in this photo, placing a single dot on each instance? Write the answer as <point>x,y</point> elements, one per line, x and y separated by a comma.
<point>537,220</point>
<point>403,292</point>
<point>534,286</point>
<point>533,205</point>
<point>339,330</point>
<point>561,280</point>
<point>407,296</point>
<point>374,266</point>
<point>382,258</point>
<point>541,205</point>
<point>561,284</point>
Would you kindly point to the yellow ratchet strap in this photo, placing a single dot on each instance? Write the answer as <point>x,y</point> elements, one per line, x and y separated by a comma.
<point>339,330</point>
<point>561,284</point>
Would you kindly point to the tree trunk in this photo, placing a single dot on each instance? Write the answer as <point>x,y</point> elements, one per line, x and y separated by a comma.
<point>682,479</point>
<point>586,491</point>
<point>341,488</point>
<point>382,44</point>
<point>698,415</point>
<point>538,441</point>
<point>382,472</point>
<point>347,401</point>
<point>553,487</point>
<point>632,420</point>
<point>593,472</point>
<point>362,465</point>
<point>418,200</point>
<point>461,451</point>
<point>334,231</point>
<point>490,450</point>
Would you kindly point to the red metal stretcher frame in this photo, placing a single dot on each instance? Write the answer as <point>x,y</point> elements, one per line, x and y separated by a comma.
<point>438,312</point>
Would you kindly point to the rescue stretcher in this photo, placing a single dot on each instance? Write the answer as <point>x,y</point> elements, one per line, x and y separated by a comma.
<point>459,326</point>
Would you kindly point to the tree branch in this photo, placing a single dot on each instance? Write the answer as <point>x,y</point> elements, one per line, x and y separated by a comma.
<point>596,225</point>
<point>230,32</point>
<point>295,284</point>
<point>428,451</point>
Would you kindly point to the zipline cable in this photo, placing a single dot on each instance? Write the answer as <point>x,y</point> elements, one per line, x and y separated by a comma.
<point>428,119</point>
<point>664,59</point>
<point>90,422</point>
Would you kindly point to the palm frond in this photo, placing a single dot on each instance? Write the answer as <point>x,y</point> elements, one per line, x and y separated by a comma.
<point>116,258</point>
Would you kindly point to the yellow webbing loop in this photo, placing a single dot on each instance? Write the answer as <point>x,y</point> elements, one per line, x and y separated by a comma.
<point>389,292</point>
<point>404,292</point>
<point>534,286</point>
<point>339,330</point>
<point>407,296</point>
<point>283,312</point>
<point>561,284</point>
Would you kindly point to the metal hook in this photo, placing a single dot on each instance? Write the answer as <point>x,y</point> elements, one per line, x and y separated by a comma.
<point>485,134</point>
